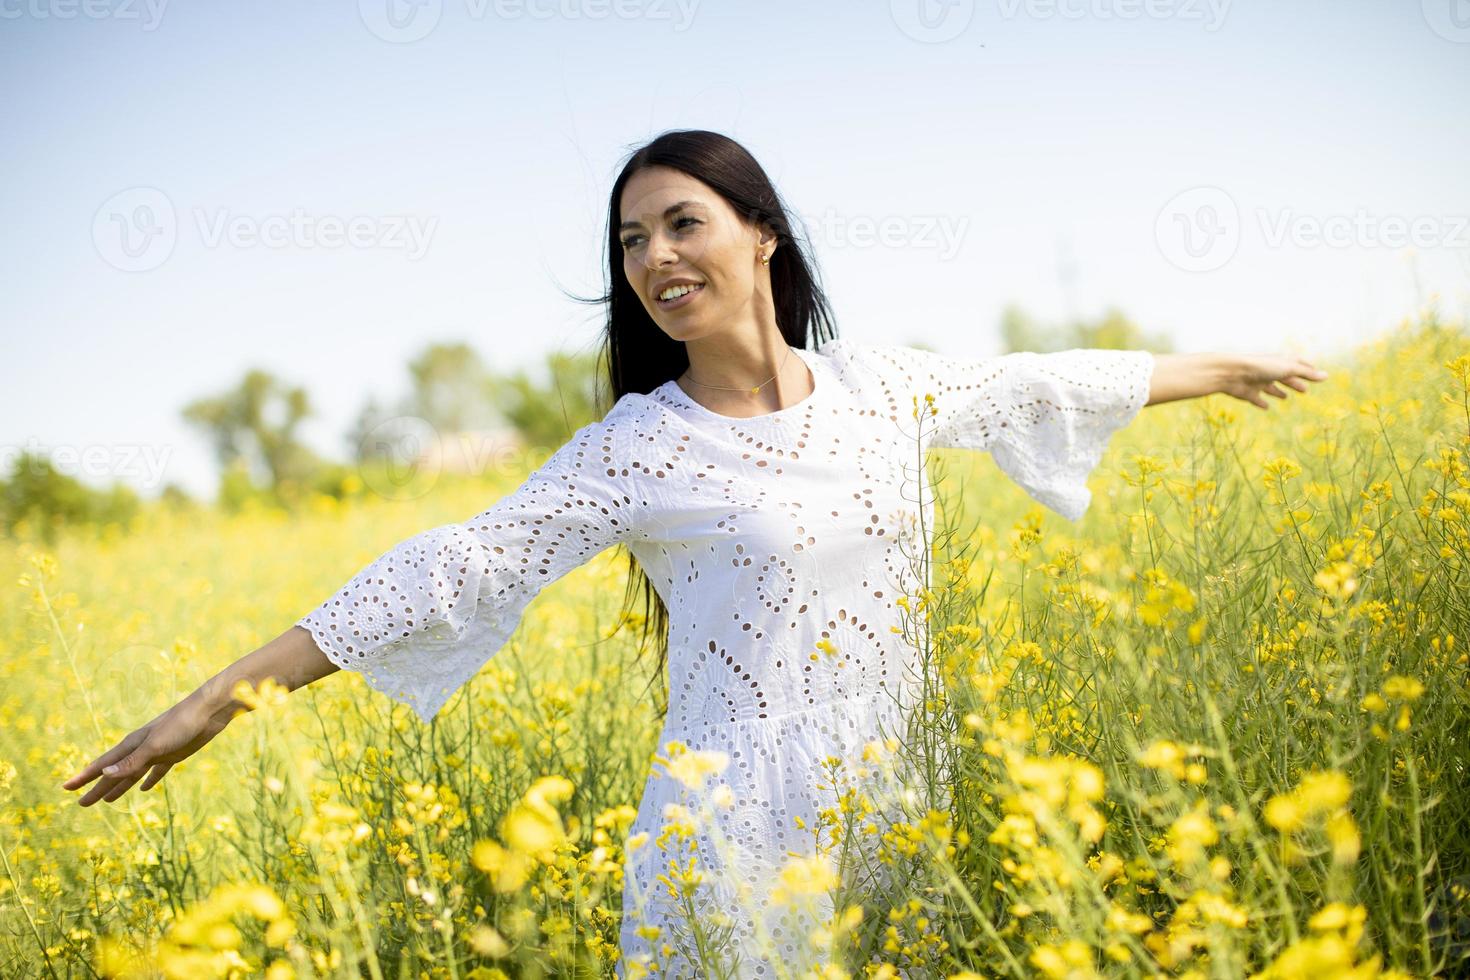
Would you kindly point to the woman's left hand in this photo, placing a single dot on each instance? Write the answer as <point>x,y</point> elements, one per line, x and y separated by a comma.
<point>1248,375</point>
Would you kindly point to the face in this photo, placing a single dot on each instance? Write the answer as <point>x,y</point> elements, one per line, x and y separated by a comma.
<point>676,229</point>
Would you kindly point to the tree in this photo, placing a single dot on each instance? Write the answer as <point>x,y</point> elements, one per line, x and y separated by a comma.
<point>40,495</point>
<point>253,429</point>
<point>548,414</point>
<point>1111,330</point>
<point>450,389</point>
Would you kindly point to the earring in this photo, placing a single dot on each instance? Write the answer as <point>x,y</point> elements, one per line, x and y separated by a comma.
<point>765,259</point>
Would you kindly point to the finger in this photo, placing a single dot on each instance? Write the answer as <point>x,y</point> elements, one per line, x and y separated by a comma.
<point>104,785</point>
<point>95,767</point>
<point>122,787</point>
<point>1313,372</point>
<point>136,762</point>
<point>154,775</point>
<point>1274,391</point>
<point>124,773</point>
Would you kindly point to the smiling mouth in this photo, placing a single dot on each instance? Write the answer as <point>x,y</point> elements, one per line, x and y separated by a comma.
<point>681,293</point>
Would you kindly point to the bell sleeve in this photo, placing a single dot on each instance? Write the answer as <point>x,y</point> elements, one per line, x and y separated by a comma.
<point>1045,418</point>
<point>423,617</point>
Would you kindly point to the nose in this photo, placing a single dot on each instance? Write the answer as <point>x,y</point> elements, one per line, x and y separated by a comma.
<point>660,252</point>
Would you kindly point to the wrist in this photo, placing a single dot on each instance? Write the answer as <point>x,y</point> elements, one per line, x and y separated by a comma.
<point>214,695</point>
<point>1222,370</point>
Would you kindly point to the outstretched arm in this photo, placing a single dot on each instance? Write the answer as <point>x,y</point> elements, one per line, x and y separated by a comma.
<point>291,659</point>
<point>1243,376</point>
<point>421,619</point>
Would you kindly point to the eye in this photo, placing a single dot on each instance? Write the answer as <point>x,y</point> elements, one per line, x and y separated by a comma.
<point>631,240</point>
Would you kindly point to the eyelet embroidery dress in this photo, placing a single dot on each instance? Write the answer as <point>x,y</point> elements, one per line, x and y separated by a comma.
<point>764,537</point>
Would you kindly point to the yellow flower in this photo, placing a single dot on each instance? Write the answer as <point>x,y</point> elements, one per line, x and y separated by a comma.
<point>507,870</point>
<point>691,767</point>
<point>529,830</point>
<point>1342,832</point>
<point>487,942</point>
<point>1122,920</point>
<point>1072,959</point>
<point>1402,688</point>
<point>1191,833</point>
<point>1338,580</point>
<point>1323,791</point>
<point>549,790</point>
<point>1318,793</point>
<point>802,876</point>
<point>1338,916</point>
<point>1284,813</point>
<point>1165,755</point>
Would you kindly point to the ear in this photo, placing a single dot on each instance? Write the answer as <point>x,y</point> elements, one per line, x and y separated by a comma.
<point>767,241</point>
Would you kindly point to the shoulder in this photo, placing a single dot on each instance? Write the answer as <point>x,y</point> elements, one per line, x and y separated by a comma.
<point>633,418</point>
<point>609,446</point>
<point>898,364</point>
<point>846,354</point>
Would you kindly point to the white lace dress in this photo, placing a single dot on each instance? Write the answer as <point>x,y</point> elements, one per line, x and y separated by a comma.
<point>764,537</point>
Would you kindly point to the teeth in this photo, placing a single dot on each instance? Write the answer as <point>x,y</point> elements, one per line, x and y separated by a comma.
<point>674,292</point>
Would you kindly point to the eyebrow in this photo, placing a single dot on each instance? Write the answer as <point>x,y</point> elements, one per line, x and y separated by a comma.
<point>667,211</point>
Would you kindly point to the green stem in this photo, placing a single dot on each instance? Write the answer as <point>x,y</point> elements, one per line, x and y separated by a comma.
<point>20,901</point>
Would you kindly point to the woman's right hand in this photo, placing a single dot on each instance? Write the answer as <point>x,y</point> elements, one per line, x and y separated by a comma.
<point>292,660</point>
<point>172,737</point>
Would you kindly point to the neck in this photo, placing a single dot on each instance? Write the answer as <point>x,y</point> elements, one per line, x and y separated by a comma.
<point>723,370</point>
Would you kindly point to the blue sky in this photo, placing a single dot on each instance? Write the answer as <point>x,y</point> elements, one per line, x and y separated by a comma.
<point>1240,176</point>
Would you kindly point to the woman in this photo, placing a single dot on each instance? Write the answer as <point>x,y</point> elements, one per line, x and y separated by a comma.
<point>754,465</point>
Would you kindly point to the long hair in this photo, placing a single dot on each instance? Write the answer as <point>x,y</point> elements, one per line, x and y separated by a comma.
<point>637,356</point>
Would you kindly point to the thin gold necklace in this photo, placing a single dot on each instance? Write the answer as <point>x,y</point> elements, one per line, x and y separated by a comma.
<point>753,391</point>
